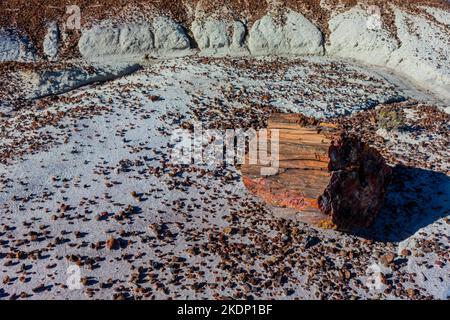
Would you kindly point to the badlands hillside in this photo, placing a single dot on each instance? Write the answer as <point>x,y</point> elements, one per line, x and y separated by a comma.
<point>92,204</point>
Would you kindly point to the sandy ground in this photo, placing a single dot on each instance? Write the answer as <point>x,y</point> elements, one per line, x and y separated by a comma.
<point>87,180</point>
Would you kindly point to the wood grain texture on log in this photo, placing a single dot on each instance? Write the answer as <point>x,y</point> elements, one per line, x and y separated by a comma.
<point>331,179</point>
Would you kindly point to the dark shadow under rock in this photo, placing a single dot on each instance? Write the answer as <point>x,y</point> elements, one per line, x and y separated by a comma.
<point>415,199</point>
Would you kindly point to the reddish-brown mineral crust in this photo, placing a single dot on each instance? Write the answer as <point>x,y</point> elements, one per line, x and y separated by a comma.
<point>330,178</point>
<point>358,183</point>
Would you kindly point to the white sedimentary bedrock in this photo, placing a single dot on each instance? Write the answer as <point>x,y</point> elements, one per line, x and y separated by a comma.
<point>217,37</point>
<point>417,48</point>
<point>87,178</point>
<point>51,41</point>
<point>162,35</point>
<point>296,36</point>
<point>13,47</point>
<point>420,53</point>
<point>415,43</point>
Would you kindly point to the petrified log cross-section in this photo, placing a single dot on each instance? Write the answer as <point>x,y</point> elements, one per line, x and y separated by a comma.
<point>331,179</point>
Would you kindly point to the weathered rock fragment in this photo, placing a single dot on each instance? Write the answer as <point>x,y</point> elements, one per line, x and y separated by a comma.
<point>332,179</point>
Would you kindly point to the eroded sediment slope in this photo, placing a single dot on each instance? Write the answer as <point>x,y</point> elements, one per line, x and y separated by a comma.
<point>411,37</point>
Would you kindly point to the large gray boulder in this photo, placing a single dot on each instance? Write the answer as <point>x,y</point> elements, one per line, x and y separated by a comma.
<point>353,37</point>
<point>121,40</point>
<point>219,37</point>
<point>51,41</point>
<point>169,35</point>
<point>14,47</point>
<point>161,37</point>
<point>296,36</point>
<point>424,52</point>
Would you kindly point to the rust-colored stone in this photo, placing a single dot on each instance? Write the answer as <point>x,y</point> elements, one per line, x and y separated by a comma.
<point>331,179</point>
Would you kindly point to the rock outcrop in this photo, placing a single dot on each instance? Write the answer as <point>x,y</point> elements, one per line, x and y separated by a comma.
<point>424,52</point>
<point>418,50</point>
<point>51,41</point>
<point>219,37</point>
<point>14,47</point>
<point>351,36</point>
<point>410,38</point>
<point>169,35</point>
<point>56,81</point>
<point>294,36</point>
<point>121,40</point>
<point>162,36</point>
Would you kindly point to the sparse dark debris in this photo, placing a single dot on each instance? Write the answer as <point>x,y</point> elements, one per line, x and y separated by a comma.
<point>142,227</point>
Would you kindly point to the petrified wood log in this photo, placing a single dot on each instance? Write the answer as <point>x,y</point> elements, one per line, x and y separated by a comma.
<point>331,179</point>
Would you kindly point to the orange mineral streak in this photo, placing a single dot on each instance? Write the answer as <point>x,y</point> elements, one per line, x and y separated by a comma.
<point>277,195</point>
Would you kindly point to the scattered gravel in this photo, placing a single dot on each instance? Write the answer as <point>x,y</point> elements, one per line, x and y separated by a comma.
<point>87,181</point>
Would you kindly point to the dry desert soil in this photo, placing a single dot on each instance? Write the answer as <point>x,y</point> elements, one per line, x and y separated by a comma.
<point>93,205</point>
